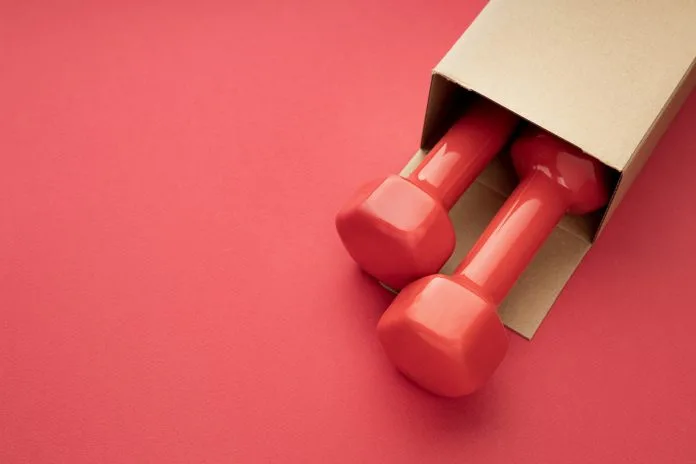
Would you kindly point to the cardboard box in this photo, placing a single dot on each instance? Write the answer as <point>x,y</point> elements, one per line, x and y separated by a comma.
<point>607,76</point>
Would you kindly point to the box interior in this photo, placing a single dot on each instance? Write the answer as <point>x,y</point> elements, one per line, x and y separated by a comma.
<point>530,300</point>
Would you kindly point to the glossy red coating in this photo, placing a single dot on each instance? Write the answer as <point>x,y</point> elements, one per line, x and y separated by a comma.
<point>443,334</point>
<point>398,229</point>
<point>465,150</point>
<point>443,331</point>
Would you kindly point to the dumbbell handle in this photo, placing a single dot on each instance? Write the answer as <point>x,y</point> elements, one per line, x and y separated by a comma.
<point>464,151</point>
<point>514,235</point>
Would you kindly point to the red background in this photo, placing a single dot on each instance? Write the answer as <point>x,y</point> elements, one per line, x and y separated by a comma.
<point>172,289</point>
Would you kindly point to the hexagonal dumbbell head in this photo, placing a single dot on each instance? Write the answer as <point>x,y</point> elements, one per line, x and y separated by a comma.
<point>398,229</point>
<point>442,334</point>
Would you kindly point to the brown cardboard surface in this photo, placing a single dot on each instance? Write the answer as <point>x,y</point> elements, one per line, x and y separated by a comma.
<point>645,148</point>
<point>596,73</point>
<point>607,76</point>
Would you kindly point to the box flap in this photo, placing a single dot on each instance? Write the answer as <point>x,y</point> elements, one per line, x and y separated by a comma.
<point>596,73</point>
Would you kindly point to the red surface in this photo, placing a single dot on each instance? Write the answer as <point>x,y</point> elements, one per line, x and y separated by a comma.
<point>172,288</point>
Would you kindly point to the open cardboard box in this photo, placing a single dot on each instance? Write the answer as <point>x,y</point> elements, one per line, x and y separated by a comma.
<point>607,76</point>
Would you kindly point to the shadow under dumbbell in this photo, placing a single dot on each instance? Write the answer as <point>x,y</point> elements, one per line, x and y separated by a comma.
<point>440,420</point>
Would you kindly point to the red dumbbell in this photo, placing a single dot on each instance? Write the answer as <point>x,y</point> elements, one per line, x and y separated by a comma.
<point>443,332</point>
<point>398,229</point>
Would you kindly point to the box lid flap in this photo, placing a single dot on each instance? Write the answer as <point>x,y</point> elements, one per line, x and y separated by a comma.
<point>596,73</point>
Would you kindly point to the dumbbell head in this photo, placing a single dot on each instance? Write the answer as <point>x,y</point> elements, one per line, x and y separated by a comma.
<point>583,177</point>
<point>396,231</point>
<point>444,334</point>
